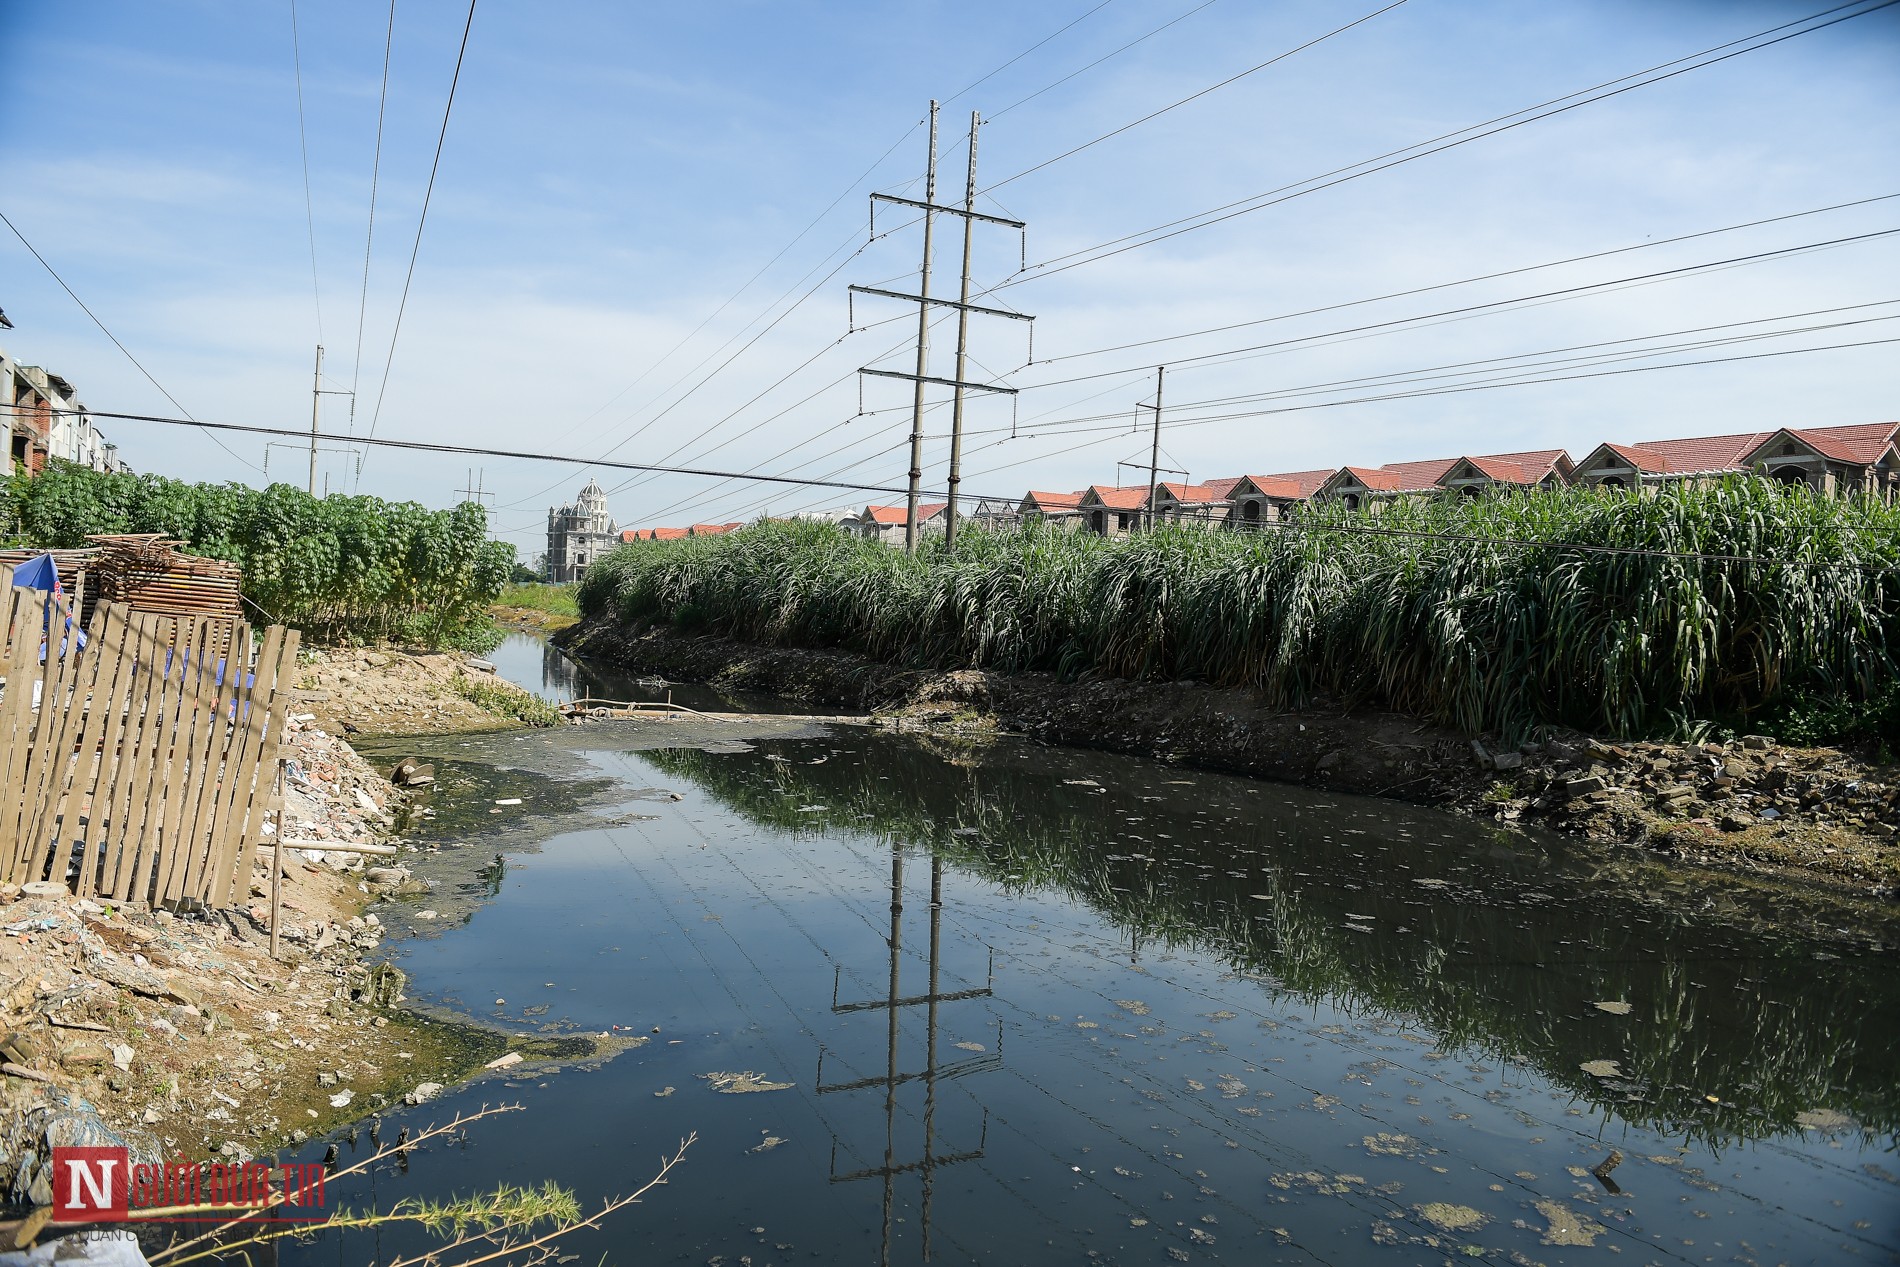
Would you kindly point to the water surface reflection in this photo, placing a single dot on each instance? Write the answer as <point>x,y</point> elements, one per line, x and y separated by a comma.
<point>1025,1005</point>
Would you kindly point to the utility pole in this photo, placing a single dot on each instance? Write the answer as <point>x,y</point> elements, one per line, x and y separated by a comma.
<point>924,300</point>
<point>963,344</point>
<point>923,346</point>
<point>316,399</point>
<point>1154,454</point>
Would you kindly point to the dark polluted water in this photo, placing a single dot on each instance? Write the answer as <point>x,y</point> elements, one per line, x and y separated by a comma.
<point>1025,1005</point>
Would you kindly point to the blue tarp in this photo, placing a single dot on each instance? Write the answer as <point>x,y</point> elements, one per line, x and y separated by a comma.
<point>40,573</point>
<point>37,574</point>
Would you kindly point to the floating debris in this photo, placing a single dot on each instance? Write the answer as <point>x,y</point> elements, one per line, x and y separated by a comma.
<point>1452,1218</point>
<point>767,1144</point>
<point>1614,1008</point>
<point>1823,1120</point>
<point>741,1083</point>
<point>1567,1227</point>
<point>970,1046</point>
<point>1134,1007</point>
<point>1602,1068</point>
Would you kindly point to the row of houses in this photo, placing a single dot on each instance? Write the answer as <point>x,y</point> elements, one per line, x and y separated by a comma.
<point>1834,461</point>
<point>42,418</point>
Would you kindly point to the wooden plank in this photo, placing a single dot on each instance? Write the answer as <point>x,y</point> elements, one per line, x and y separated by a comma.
<point>24,674</point>
<point>282,676</point>
<point>173,663</point>
<point>61,707</point>
<point>107,726</point>
<point>242,770</point>
<point>144,788</point>
<point>143,690</point>
<point>213,753</point>
<point>181,770</point>
<point>98,716</point>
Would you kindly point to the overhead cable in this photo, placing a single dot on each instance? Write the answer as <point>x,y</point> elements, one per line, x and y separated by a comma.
<point>139,365</point>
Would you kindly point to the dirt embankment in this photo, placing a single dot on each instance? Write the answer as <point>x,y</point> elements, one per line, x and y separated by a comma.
<point>176,1032</point>
<point>1752,804</point>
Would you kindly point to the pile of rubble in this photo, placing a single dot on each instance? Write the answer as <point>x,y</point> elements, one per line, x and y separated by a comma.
<point>1813,807</point>
<point>330,792</point>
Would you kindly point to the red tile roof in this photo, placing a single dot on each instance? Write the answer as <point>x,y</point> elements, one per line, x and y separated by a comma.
<point>710,530</point>
<point>901,514</point>
<point>1193,494</point>
<point>1129,497</point>
<point>1051,501</point>
<point>1283,489</point>
<point>1304,483</point>
<point>1699,454</point>
<point>1861,445</point>
<point>1646,460</point>
<point>668,534</point>
<point>1223,487</point>
<point>1412,476</point>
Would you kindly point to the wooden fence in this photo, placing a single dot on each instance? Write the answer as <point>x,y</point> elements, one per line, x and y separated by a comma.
<point>139,767</point>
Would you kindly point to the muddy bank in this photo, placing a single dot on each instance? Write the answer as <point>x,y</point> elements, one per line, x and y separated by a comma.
<point>1754,804</point>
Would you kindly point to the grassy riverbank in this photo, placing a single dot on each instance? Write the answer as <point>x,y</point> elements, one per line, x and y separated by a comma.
<point>1742,604</point>
<point>537,608</point>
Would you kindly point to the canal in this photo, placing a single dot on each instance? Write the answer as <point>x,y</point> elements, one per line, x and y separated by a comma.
<point>991,1002</point>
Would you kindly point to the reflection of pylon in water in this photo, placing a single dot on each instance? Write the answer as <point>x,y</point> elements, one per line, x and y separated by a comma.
<point>929,1075</point>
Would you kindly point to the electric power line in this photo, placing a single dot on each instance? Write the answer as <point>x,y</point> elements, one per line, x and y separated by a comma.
<point>303,148</point>
<point>369,234</point>
<point>1278,57</point>
<point>423,219</point>
<point>1450,140</point>
<point>1467,281</point>
<point>139,365</point>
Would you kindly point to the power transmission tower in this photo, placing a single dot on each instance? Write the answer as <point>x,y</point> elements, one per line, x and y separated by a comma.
<point>923,299</point>
<point>474,490</point>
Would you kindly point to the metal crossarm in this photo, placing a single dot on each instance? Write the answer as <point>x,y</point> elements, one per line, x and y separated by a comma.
<point>941,382</point>
<point>943,303</point>
<point>948,211</point>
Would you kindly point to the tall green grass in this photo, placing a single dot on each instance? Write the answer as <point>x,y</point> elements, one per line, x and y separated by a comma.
<point>1452,623</point>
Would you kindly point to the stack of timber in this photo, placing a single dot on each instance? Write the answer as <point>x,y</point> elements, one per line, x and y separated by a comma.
<point>147,572</point>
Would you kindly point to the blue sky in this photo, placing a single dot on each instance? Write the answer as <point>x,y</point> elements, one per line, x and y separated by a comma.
<point>614,173</point>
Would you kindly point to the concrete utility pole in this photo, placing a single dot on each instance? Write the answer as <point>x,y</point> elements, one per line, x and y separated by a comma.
<point>923,346</point>
<point>924,301</point>
<point>1154,454</point>
<point>963,344</point>
<point>316,399</point>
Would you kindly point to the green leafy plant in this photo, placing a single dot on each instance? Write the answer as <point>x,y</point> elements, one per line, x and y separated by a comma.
<point>1656,613</point>
<point>339,568</point>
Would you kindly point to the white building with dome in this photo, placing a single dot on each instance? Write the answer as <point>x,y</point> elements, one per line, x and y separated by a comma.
<point>580,533</point>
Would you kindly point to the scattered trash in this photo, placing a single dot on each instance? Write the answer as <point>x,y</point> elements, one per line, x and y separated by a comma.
<point>741,1083</point>
<point>504,1061</point>
<point>342,1098</point>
